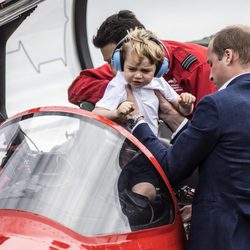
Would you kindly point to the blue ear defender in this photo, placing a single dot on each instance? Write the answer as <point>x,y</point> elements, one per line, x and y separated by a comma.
<point>164,68</point>
<point>117,60</point>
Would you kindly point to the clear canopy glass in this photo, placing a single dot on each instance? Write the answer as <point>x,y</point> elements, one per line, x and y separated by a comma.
<point>67,167</point>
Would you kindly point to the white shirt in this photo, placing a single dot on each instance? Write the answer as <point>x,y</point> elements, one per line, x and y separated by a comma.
<point>147,101</point>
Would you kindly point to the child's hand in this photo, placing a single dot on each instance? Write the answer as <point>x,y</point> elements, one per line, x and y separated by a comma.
<point>186,99</point>
<point>186,103</point>
<point>125,109</point>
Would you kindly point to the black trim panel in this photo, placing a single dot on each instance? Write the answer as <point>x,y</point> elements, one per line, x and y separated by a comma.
<point>81,36</point>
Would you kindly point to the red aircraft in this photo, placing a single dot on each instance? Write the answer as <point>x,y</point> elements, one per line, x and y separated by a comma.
<point>60,186</point>
<point>62,181</point>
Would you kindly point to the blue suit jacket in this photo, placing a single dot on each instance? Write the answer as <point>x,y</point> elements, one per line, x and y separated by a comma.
<point>217,139</point>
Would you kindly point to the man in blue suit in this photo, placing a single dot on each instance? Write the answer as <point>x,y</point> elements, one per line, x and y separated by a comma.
<point>217,139</point>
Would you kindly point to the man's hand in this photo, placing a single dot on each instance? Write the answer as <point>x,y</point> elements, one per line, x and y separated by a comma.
<point>168,113</point>
<point>186,213</point>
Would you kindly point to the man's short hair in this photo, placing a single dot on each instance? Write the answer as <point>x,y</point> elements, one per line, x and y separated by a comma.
<point>115,27</point>
<point>235,37</point>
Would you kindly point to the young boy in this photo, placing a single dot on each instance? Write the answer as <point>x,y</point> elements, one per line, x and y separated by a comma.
<point>141,64</point>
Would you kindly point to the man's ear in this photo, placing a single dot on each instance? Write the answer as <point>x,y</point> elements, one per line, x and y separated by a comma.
<point>229,55</point>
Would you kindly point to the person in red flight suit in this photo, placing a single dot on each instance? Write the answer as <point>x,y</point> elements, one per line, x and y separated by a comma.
<point>188,69</point>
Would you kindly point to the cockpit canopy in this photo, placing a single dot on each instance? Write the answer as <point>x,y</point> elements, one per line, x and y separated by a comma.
<point>67,165</point>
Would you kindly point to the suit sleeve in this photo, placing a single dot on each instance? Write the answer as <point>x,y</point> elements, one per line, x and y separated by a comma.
<point>90,85</point>
<point>192,146</point>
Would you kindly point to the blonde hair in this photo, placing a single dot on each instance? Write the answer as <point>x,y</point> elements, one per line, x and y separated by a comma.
<point>143,43</point>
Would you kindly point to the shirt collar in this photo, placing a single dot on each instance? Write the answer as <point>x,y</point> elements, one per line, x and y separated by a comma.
<point>227,82</point>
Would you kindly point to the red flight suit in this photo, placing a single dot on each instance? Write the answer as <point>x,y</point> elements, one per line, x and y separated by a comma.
<point>189,72</point>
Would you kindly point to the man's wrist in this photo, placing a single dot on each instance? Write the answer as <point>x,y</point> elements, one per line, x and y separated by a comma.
<point>173,121</point>
<point>86,105</point>
<point>179,128</point>
<point>137,124</point>
<point>133,120</point>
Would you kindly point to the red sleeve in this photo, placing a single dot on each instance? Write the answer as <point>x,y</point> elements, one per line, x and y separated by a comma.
<point>199,84</point>
<point>90,85</point>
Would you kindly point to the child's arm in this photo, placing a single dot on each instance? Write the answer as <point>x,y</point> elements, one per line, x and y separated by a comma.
<point>110,114</point>
<point>185,103</point>
<point>120,113</point>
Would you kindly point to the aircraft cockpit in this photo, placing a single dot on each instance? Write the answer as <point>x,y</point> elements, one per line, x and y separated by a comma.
<point>66,165</point>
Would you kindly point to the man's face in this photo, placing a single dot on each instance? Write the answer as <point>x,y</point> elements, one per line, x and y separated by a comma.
<point>218,68</point>
<point>107,52</point>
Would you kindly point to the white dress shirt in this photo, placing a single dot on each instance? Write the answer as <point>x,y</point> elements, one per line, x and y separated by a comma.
<point>147,101</point>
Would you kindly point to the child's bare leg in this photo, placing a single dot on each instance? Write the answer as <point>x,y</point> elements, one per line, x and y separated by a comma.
<point>146,189</point>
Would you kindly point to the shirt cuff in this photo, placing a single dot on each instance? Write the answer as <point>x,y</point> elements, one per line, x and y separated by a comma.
<point>140,122</point>
<point>179,128</point>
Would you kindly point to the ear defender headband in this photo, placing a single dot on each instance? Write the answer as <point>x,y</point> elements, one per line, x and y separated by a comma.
<point>117,60</point>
